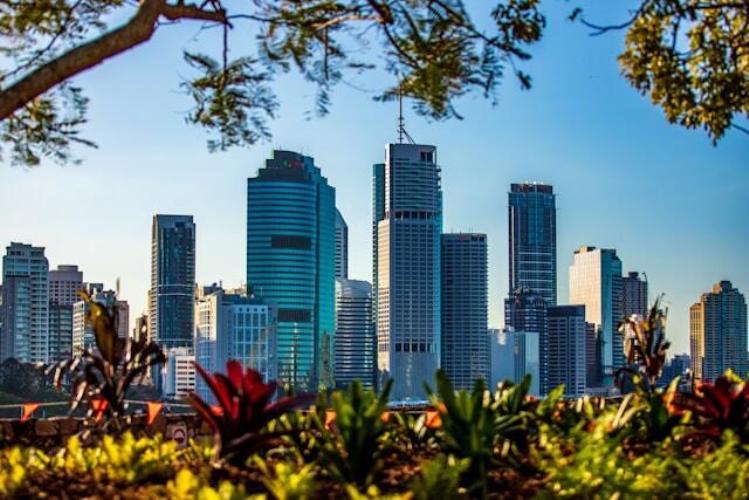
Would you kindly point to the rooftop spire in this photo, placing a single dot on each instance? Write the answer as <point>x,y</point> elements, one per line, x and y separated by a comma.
<point>401,121</point>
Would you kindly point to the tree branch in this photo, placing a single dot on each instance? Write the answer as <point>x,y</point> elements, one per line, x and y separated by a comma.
<point>139,29</point>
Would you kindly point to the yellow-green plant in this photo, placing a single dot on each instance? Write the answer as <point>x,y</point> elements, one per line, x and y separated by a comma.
<point>126,459</point>
<point>16,465</point>
<point>188,486</point>
<point>439,478</point>
<point>287,481</point>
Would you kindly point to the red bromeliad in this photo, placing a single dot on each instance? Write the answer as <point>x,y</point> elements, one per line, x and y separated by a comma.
<point>244,409</point>
<point>717,406</point>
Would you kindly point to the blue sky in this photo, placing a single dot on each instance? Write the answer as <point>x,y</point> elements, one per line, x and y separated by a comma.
<point>671,203</point>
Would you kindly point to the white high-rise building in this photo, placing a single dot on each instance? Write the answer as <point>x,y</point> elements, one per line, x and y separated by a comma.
<point>408,215</point>
<point>83,334</point>
<point>234,326</point>
<point>512,356</point>
<point>179,373</point>
<point>596,283</point>
<point>25,304</point>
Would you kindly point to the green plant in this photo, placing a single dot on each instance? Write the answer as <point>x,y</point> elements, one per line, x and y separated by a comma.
<point>16,465</point>
<point>188,486</point>
<point>239,428</point>
<point>409,433</point>
<point>723,473</point>
<point>286,481</point>
<point>353,446</point>
<point>102,377</point>
<point>439,478</point>
<point>467,430</point>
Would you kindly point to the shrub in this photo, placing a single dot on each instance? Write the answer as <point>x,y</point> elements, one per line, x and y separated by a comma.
<point>439,478</point>
<point>285,481</point>
<point>352,447</point>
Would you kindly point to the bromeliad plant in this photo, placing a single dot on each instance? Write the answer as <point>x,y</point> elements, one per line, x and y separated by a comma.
<point>716,407</point>
<point>101,377</point>
<point>245,408</point>
<point>645,346</point>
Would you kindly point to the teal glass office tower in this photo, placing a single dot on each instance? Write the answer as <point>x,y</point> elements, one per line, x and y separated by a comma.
<point>291,219</point>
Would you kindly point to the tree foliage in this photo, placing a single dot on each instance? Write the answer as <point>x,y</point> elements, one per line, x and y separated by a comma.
<point>432,49</point>
<point>691,57</point>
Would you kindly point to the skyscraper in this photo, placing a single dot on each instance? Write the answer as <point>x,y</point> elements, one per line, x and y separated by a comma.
<point>25,304</point>
<point>525,311</point>
<point>170,311</point>
<point>634,295</point>
<point>718,333</point>
<point>567,349</point>
<point>341,246</point>
<point>408,267</point>
<point>355,339</point>
<point>513,355</point>
<point>532,224</point>
<point>596,283</point>
<point>291,263</point>
<point>465,345</point>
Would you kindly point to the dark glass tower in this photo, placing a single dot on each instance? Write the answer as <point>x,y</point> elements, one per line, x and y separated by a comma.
<point>526,311</point>
<point>465,343</point>
<point>172,280</point>
<point>355,340</point>
<point>533,240</point>
<point>291,219</point>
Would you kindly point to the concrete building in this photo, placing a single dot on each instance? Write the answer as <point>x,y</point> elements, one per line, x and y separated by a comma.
<point>680,365</point>
<point>234,326</point>
<point>170,298</point>
<point>291,220</point>
<point>25,304</point>
<point>355,339</point>
<point>532,224</point>
<point>567,336</point>
<point>65,285</point>
<point>465,303</point>
<point>341,246</point>
<point>525,311</point>
<point>718,333</point>
<point>513,355</point>
<point>596,283</point>
<point>179,373</point>
<point>60,331</point>
<point>408,198</point>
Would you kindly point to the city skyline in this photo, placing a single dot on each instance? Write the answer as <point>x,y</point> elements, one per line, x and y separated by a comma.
<point>611,178</point>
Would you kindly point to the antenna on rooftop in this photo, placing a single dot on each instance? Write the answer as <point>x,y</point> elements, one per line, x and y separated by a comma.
<point>117,286</point>
<point>401,121</point>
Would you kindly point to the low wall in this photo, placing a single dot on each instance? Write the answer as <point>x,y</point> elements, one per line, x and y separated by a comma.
<point>46,433</point>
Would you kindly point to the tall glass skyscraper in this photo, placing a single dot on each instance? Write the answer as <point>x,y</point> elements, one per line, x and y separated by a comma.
<point>170,312</point>
<point>532,225</point>
<point>25,304</point>
<point>291,220</point>
<point>525,311</point>
<point>408,213</point>
<point>465,343</point>
<point>566,364</point>
<point>596,283</point>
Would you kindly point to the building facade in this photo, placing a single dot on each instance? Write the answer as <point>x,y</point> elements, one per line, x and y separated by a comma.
<point>179,373</point>
<point>596,283</point>
<point>341,246</point>
<point>170,310</point>
<point>465,303</point>
<point>513,355</point>
<point>567,335</point>
<point>634,295</point>
<point>408,268</point>
<point>718,333</point>
<point>355,341</point>
<point>234,326</point>
<point>25,304</point>
<point>525,311</point>
<point>532,224</point>
<point>291,263</point>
